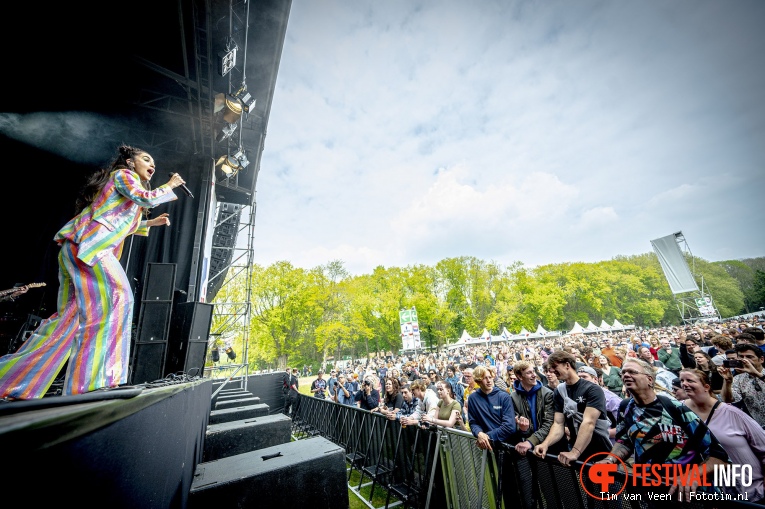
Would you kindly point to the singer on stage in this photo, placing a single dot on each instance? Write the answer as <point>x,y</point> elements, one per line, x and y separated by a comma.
<point>91,327</point>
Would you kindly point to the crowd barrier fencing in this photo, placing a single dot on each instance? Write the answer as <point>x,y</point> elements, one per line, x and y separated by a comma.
<point>439,467</point>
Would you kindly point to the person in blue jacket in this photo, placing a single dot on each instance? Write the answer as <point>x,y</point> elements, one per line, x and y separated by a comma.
<point>490,412</point>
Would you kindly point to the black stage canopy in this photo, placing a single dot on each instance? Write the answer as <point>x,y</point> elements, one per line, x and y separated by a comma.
<point>80,78</point>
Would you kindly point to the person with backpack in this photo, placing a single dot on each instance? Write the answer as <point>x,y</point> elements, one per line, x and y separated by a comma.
<point>657,429</point>
<point>580,406</point>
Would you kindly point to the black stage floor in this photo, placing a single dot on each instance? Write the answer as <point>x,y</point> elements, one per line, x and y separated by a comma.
<point>131,447</point>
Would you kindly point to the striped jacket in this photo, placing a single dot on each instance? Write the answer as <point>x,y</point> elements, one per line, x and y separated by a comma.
<point>114,214</point>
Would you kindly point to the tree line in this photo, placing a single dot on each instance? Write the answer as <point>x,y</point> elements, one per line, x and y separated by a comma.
<point>307,315</point>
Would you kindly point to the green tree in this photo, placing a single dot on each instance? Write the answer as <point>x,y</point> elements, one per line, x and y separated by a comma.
<point>285,311</point>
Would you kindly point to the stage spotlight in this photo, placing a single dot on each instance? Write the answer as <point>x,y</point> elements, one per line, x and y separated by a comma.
<point>248,102</point>
<point>228,108</point>
<point>230,165</point>
<point>231,353</point>
<point>241,158</point>
<point>215,354</point>
<point>226,131</point>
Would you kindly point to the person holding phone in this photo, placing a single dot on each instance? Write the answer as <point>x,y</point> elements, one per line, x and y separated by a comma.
<point>748,386</point>
<point>367,398</point>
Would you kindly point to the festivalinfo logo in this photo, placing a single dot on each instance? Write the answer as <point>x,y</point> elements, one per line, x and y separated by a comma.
<point>603,476</point>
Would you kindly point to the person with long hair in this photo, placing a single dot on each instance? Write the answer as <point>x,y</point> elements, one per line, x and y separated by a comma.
<point>91,328</point>
<point>705,364</point>
<point>448,411</point>
<point>611,375</point>
<point>740,435</point>
<point>392,400</point>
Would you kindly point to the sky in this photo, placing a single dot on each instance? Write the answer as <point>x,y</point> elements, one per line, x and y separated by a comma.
<point>406,132</point>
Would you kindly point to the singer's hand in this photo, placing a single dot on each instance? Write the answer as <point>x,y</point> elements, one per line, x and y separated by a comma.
<point>160,220</point>
<point>175,181</point>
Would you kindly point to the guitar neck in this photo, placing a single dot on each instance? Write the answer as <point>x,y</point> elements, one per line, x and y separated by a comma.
<point>14,290</point>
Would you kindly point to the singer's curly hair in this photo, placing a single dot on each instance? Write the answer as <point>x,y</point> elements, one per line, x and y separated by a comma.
<point>98,179</point>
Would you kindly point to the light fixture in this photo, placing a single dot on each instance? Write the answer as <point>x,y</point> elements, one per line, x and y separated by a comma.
<point>228,107</point>
<point>230,165</point>
<point>227,59</point>
<point>247,101</point>
<point>226,131</point>
<point>231,353</point>
<point>215,354</point>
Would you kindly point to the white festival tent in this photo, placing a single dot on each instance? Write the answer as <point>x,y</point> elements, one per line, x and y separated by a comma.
<point>618,326</point>
<point>577,329</point>
<point>604,326</point>
<point>542,333</point>
<point>591,328</point>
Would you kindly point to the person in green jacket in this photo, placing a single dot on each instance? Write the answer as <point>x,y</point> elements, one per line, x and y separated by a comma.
<point>670,356</point>
<point>612,376</point>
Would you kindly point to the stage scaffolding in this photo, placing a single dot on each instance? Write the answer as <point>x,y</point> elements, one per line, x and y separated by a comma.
<point>693,300</point>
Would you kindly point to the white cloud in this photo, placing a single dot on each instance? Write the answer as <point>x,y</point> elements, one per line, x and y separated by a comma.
<point>405,132</point>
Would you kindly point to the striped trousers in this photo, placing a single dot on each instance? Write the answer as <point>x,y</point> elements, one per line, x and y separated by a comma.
<point>91,329</point>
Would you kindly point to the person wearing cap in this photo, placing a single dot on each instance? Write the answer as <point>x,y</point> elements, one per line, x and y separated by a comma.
<point>343,393</point>
<point>331,387</point>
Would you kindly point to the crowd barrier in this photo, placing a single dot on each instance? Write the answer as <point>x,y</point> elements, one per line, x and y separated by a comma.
<point>438,467</point>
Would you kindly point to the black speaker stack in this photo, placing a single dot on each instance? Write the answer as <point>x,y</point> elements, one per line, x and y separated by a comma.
<point>149,349</point>
<point>189,332</point>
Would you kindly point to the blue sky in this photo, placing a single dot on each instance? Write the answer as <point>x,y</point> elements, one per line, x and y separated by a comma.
<point>405,132</point>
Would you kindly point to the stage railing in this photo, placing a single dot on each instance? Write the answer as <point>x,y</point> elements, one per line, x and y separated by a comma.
<point>439,467</point>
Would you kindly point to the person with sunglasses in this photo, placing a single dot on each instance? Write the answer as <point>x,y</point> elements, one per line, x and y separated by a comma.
<point>657,429</point>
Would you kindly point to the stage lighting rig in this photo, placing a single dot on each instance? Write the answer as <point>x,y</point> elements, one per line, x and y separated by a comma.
<point>227,59</point>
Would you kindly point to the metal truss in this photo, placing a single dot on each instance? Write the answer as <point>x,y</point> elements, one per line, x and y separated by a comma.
<point>691,305</point>
<point>198,106</point>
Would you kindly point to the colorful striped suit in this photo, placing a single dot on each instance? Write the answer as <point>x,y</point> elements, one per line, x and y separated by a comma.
<point>92,324</point>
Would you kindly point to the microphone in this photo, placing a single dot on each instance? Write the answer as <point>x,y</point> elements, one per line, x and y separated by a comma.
<point>185,189</point>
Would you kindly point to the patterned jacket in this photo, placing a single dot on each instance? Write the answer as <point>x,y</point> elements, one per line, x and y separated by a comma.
<point>115,213</point>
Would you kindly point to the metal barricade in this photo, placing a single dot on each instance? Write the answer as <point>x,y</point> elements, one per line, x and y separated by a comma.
<point>440,467</point>
<point>470,474</point>
<point>386,455</point>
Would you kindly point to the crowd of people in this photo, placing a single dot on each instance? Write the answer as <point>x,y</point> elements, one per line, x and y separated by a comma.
<point>686,395</point>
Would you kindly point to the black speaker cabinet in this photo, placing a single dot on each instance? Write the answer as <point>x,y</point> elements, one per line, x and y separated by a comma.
<point>149,348</point>
<point>305,473</point>
<point>159,282</point>
<point>187,343</point>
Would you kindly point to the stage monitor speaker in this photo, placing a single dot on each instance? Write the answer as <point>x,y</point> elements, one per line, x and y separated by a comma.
<point>159,282</point>
<point>189,333</point>
<point>149,349</point>
<point>154,322</point>
<point>148,362</point>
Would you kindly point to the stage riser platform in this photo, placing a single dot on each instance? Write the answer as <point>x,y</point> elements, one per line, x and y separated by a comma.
<point>238,413</point>
<point>238,437</point>
<point>310,471</point>
<point>222,405</point>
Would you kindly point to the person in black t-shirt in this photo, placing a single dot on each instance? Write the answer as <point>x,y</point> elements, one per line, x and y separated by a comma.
<point>581,407</point>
